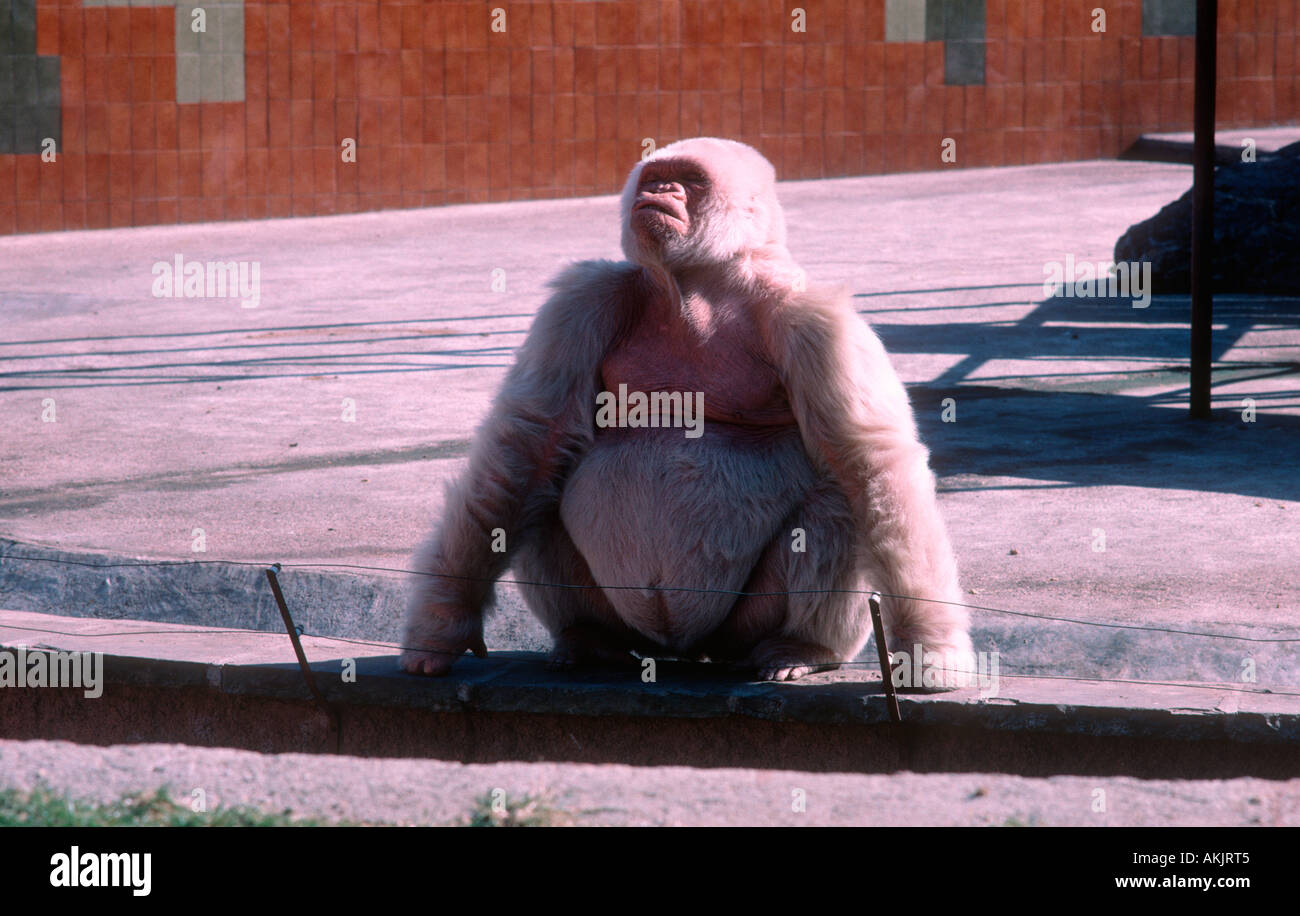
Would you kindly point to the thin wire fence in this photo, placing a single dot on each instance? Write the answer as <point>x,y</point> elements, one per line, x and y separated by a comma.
<point>1282,690</point>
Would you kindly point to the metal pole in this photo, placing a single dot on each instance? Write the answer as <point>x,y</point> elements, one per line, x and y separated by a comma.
<point>886,669</point>
<point>331,717</point>
<point>1207,21</point>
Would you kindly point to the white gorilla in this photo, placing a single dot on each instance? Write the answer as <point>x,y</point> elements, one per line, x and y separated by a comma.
<point>752,538</point>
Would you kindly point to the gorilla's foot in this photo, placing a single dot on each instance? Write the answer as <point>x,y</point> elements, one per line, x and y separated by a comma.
<point>788,659</point>
<point>586,644</point>
<point>920,667</point>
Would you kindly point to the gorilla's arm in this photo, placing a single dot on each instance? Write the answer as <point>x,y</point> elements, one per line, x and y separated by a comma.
<point>539,424</point>
<point>857,424</point>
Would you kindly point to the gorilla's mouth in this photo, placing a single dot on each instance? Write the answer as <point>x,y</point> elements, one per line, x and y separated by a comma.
<point>656,207</point>
<point>646,204</point>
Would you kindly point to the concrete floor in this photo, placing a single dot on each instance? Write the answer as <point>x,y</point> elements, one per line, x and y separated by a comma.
<point>176,414</point>
<point>183,414</point>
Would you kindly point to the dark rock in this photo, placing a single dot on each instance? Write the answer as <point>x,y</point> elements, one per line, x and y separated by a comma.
<point>1256,231</point>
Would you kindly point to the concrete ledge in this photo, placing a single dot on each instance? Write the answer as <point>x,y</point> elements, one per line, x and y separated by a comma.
<point>370,607</point>
<point>212,687</point>
<point>1177,147</point>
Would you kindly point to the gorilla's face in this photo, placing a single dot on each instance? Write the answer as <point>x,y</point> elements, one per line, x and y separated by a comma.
<point>700,202</point>
<point>667,202</point>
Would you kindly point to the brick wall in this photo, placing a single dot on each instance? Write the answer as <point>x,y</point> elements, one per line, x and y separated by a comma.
<point>154,122</point>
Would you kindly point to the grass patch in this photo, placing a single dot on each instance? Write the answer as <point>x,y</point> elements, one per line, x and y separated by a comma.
<point>43,808</point>
<point>529,811</point>
<point>1017,822</point>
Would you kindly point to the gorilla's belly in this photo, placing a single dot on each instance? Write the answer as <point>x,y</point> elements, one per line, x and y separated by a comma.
<point>650,507</point>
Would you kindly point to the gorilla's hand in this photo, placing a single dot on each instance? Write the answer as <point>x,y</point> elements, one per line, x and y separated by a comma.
<point>934,668</point>
<point>433,655</point>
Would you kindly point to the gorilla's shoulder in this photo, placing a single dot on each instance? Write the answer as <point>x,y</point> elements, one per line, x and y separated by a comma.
<point>813,319</point>
<point>596,278</point>
<point>590,302</point>
<point>817,303</point>
<point>820,296</point>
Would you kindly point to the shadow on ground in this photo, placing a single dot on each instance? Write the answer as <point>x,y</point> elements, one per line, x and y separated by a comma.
<point>1080,422</point>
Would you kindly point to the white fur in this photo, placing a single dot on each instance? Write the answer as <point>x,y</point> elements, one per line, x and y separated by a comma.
<point>581,512</point>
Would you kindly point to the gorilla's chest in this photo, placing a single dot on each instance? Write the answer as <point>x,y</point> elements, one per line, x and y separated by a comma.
<point>738,386</point>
